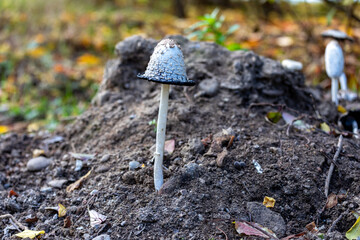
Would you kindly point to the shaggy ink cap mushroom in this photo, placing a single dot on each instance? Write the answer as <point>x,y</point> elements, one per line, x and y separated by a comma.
<point>167,65</point>
<point>336,34</point>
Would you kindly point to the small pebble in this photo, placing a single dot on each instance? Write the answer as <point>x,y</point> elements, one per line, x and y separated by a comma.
<point>123,223</point>
<point>38,163</point>
<point>133,165</point>
<point>94,192</point>
<point>57,183</point>
<point>105,158</point>
<point>102,168</point>
<point>46,189</point>
<point>239,165</point>
<point>78,165</point>
<point>102,237</point>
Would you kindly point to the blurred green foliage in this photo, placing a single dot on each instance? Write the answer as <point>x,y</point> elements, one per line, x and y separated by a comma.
<point>210,28</point>
<point>52,53</point>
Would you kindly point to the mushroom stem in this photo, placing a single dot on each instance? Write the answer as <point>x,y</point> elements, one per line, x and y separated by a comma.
<point>160,137</point>
<point>343,82</point>
<point>334,90</point>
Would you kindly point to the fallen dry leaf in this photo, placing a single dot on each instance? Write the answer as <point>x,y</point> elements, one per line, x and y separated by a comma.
<point>78,183</point>
<point>169,146</point>
<point>311,227</point>
<point>67,222</point>
<point>96,218</point>
<point>269,202</point>
<point>220,160</point>
<point>61,210</point>
<point>331,201</point>
<point>29,234</point>
<point>12,193</point>
<point>254,230</point>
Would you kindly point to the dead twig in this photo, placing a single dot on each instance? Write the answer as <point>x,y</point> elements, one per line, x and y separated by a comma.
<point>335,222</point>
<point>226,237</point>
<point>16,223</point>
<point>332,166</point>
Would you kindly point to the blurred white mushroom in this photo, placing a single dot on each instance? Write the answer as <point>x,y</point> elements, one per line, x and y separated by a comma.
<point>334,62</point>
<point>166,66</point>
<point>336,34</point>
<point>292,65</point>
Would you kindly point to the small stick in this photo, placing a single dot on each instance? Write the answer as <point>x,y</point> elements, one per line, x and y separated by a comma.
<point>226,237</point>
<point>332,166</point>
<point>14,220</point>
<point>335,222</point>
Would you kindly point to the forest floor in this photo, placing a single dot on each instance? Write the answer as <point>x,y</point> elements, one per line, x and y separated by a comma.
<point>211,180</point>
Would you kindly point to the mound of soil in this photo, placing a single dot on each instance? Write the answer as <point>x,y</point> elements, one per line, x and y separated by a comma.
<point>211,179</point>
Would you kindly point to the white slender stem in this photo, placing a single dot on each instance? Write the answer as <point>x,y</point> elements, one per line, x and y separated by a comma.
<point>160,137</point>
<point>334,90</point>
<point>343,82</point>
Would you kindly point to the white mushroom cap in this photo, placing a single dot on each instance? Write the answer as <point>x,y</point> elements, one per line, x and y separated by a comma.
<point>334,59</point>
<point>336,34</point>
<point>292,65</point>
<point>167,65</point>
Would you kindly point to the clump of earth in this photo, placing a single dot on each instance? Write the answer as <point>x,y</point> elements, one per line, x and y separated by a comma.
<point>212,174</point>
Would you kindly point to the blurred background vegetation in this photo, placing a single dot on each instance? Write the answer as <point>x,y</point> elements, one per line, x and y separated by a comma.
<point>52,53</point>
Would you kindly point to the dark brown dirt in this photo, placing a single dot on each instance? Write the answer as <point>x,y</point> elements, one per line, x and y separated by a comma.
<point>206,188</point>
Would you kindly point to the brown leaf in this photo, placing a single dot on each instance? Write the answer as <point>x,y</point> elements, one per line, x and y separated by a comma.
<point>169,146</point>
<point>67,222</point>
<point>295,236</point>
<point>31,219</point>
<point>220,160</point>
<point>254,230</point>
<point>331,201</point>
<point>311,227</point>
<point>12,193</point>
<point>207,141</point>
<point>78,183</point>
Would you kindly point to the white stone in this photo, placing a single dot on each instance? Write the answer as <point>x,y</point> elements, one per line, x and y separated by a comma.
<point>38,163</point>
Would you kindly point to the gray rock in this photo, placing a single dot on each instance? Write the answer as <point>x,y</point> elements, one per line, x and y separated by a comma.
<point>57,183</point>
<point>209,87</point>
<point>38,163</point>
<point>105,158</point>
<point>103,168</point>
<point>46,189</point>
<point>239,165</point>
<point>196,146</point>
<point>264,216</point>
<point>102,237</point>
<point>133,165</point>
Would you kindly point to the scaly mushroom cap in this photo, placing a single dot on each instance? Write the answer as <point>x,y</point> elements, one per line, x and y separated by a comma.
<point>334,59</point>
<point>167,65</point>
<point>336,34</point>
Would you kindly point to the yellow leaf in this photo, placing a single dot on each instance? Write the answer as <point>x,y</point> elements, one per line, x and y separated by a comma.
<point>29,234</point>
<point>38,152</point>
<point>325,128</point>
<point>37,52</point>
<point>341,109</point>
<point>78,183</point>
<point>61,210</point>
<point>33,127</point>
<point>354,231</point>
<point>269,202</point>
<point>88,59</point>
<point>3,129</point>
